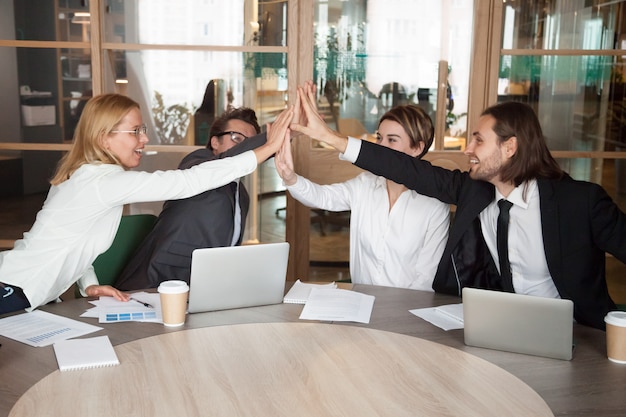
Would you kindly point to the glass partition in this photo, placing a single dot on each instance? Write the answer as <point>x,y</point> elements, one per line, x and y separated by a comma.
<point>368,57</point>
<point>565,59</point>
<point>196,22</point>
<point>561,24</point>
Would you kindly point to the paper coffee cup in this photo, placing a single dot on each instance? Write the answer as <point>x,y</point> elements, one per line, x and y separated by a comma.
<point>173,302</point>
<point>616,336</point>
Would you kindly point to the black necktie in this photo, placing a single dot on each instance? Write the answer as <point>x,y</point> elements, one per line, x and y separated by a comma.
<point>502,238</point>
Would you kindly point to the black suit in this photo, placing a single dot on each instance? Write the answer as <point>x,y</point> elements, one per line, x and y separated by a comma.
<point>202,221</point>
<point>579,221</point>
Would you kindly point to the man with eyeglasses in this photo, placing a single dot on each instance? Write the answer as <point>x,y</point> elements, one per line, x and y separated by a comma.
<point>215,218</point>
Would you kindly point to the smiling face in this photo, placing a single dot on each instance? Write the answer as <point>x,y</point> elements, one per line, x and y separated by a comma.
<point>392,135</point>
<point>487,155</point>
<point>127,146</point>
<point>224,143</point>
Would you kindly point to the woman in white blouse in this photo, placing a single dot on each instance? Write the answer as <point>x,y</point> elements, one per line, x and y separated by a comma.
<point>397,236</point>
<point>82,211</point>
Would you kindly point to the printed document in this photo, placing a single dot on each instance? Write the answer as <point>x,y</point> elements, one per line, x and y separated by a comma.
<point>333,304</point>
<point>39,328</point>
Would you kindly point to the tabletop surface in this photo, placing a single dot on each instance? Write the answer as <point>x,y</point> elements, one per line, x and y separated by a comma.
<point>285,369</point>
<point>588,385</point>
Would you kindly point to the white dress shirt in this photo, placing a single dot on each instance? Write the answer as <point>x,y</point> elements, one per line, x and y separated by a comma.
<point>80,217</point>
<point>529,267</point>
<point>400,247</point>
<point>527,257</point>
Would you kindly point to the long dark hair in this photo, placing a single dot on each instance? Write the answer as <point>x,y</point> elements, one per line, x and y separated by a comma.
<point>532,159</point>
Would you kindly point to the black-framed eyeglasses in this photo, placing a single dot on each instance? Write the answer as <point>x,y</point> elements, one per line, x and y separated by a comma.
<point>141,130</point>
<point>234,136</point>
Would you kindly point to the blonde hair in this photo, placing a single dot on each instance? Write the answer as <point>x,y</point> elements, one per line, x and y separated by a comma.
<point>100,116</point>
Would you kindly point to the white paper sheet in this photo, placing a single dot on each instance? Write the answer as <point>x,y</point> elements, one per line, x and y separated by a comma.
<point>446,317</point>
<point>39,328</point>
<point>328,304</point>
<point>299,292</point>
<point>110,310</point>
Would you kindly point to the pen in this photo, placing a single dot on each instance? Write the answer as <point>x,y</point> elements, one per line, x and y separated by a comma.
<point>141,302</point>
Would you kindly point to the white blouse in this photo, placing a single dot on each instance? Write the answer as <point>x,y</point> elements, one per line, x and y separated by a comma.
<point>80,217</point>
<point>400,247</point>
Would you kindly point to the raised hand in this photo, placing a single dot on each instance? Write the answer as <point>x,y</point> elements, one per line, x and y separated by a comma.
<point>284,162</point>
<point>298,115</point>
<point>275,135</point>
<point>311,123</point>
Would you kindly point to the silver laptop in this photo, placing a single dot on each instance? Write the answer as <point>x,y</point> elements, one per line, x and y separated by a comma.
<point>518,323</point>
<point>237,276</point>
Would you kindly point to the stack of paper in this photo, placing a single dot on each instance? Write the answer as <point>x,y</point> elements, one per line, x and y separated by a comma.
<point>326,302</point>
<point>110,310</point>
<point>446,317</point>
<point>299,292</point>
<point>333,304</point>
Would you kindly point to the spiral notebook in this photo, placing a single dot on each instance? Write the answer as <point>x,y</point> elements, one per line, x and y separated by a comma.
<point>95,352</point>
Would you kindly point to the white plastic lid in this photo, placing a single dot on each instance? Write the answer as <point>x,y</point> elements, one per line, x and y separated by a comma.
<point>173,287</point>
<point>616,318</point>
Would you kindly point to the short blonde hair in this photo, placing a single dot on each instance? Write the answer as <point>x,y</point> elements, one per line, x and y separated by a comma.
<point>100,116</point>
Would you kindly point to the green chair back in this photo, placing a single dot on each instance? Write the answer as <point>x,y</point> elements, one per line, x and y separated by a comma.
<point>132,230</point>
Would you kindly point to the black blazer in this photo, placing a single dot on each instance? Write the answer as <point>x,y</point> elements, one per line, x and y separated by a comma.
<point>202,221</point>
<point>580,224</point>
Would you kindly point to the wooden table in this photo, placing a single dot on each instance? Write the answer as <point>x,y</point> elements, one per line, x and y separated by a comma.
<point>588,385</point>
<point>285,369</point>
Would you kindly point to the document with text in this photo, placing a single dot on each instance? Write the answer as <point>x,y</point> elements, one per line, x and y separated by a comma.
<point>40,328</point>
<point>333,304</point>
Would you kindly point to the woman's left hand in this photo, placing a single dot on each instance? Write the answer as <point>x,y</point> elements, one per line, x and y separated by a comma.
<point>106,290</point>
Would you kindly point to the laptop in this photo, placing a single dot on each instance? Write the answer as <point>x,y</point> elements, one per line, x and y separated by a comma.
<point>518,323</point>
<point>237,276</point>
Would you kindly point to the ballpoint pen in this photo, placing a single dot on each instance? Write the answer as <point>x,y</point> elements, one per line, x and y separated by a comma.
<point>141,302</point>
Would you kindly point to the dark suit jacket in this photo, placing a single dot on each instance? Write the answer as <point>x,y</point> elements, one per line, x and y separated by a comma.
<point>580,223</point>
<point>203,221</point>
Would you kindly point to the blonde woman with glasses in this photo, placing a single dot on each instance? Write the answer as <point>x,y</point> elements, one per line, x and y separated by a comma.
<point>83,208</point>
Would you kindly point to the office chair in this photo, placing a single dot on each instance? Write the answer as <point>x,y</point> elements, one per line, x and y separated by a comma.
<point>132,230</point>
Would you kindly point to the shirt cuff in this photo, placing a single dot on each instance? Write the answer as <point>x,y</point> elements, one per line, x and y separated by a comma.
<point>89,278</point>
<point>352,150</point>
<point>296,185</point>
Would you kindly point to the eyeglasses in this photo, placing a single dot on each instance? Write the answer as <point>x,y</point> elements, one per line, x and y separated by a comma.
<point>234,136</point>
<point>141,130</point>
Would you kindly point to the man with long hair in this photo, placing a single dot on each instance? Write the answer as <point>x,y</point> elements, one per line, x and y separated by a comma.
<point>559,229</point>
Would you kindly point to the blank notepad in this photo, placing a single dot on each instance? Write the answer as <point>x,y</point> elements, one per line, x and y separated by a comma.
<point>94,352</point>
